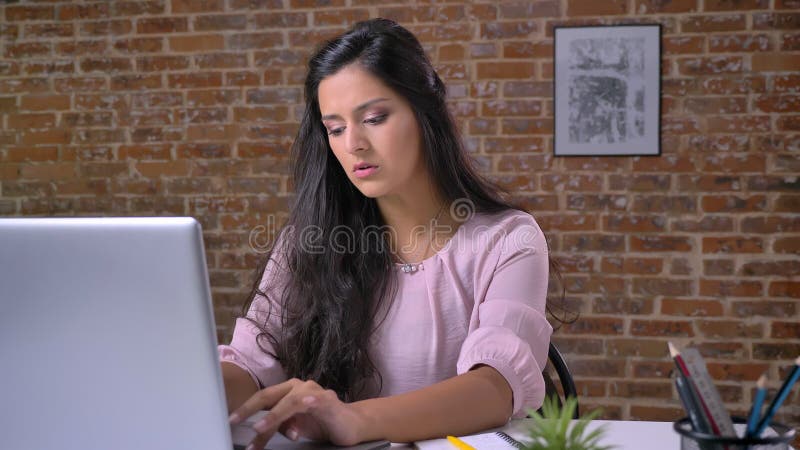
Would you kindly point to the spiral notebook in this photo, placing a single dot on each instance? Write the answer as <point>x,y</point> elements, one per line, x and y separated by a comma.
<point>497,440</point>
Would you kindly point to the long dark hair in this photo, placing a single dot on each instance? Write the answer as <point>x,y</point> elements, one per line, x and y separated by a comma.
<point>331,301</point>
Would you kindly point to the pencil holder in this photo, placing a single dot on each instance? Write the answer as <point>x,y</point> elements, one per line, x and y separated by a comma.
<point>694,440</point>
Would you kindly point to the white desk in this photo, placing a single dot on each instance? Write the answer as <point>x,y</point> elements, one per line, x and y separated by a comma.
<point>623,434</point>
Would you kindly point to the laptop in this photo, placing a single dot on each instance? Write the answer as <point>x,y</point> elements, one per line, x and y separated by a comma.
<point>107,337</point>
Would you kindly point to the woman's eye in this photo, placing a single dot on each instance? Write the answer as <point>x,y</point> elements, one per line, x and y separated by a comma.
<point>335,132</point>
<point>376,119</point>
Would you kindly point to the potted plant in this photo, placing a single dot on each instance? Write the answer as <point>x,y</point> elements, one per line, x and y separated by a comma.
<point>554,429</point>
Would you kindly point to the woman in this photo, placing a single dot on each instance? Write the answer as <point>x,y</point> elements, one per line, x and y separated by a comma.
<point>416,307</point>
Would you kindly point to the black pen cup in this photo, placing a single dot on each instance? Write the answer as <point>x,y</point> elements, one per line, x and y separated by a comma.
<point>695,440</point>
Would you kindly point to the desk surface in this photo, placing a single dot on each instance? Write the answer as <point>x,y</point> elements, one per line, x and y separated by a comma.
<point>623,434</point>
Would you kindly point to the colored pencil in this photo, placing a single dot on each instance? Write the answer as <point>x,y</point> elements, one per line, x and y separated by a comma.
<point>794,374</point>
<point>758,403</point>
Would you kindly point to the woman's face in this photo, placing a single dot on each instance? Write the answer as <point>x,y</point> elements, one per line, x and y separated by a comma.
<point>368,124</point>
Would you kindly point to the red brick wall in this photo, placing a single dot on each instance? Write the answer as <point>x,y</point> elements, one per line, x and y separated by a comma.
<point>189,107</point>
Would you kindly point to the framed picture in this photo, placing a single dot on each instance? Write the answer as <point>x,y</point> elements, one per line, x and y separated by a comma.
<point>607,90</point>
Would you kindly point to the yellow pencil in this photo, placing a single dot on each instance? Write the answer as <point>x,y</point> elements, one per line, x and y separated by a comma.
<point>460,445</point>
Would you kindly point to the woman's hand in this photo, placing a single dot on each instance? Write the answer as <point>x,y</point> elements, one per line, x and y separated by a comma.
<point>302,409</point>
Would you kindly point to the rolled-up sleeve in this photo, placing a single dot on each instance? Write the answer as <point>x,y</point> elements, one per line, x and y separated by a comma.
<point>508,328</point>
<point>244,349</point>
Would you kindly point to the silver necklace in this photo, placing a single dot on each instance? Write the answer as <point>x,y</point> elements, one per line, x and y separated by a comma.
<point>408,267</point>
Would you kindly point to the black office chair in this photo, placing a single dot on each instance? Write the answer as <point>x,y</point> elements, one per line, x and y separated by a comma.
<point>556,360</point>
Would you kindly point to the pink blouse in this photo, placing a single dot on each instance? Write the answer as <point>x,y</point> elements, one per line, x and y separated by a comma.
<point>479,300</point>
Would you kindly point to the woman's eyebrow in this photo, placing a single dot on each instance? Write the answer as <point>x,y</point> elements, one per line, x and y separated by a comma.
<point>360,107</point>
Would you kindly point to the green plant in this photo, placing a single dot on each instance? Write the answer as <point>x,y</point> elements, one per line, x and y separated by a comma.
<point>554,429</point>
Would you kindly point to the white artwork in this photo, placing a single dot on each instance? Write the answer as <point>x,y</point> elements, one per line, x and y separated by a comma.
<point>607,90</point>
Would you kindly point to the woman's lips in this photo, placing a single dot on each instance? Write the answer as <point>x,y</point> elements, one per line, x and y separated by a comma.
<point>365,172</point>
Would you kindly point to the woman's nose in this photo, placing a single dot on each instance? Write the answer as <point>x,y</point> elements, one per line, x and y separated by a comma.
<point>355,139</point>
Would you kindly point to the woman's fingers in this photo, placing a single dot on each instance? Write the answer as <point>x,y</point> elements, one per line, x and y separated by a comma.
<point>262,399</point>
<point>287,402</point>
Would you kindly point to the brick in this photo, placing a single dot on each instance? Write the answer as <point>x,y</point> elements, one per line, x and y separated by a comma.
<point>508,29</point>
<point>653,369</point>
<point>622,305</point>
<point>662,286</point>
<point>733,203</point>
<point>777,103</point>
<point>194,6</point>
<point>726,288</point>
<point>666,328</point>
<point>161,25</point>
<point>661,7</point>
<point>713,23</point>
<point>727,124</point>
<point>784,268</point>
<point>585,202</point>
<point>594,242</point>
<point>195,80</point>
<point>776,21</point>
<point>786,163</point>
<point>681,45</point>
<point>725,329</point>
<point>197,43</point>
<point>789,330</point>
<point>726,85</point>
<point>139,45</point>
<point>722,350</point>
<point>771,352</point>
<point>775,62</point>
<point>536,202</point>
<point>639,182</point>
<point>220,22</point>
<point>28,50</point>
<point>572,183</point>
<point>631,265</point>
<point>137,8</point>
<point>784,289</point>
<point>203,150</point>
<point>664,204</point>
<point>736,43</point>
<point>734,5</point>
<point>15,13</point>
<point>732,244</point>
<point>691,307</point>
<point>715,105</point>
<point>135,82</point>
<point>29,154</point>
<point>162,63</point>
<point>719,143</point>
<point>718,267</point>
<point>583,8</point>
<point>660,244</point>
<point>567,223</point>
<point>788,123</point>
<point>31,120</point>
<point>516,163</point>
<point>645,348</point>
<point>49,30</point>
<point>710,65</point>
<point>90,119</point>
<point>108,65</point>
<point>634,224</point>
<point>106,28</point>
<point>786,245</point>
<point>772,224</point>
<point>254,41</point>
<point>597,368</point>
<point>527,126</point>
<point>282,20</point>
<point>504,70</point>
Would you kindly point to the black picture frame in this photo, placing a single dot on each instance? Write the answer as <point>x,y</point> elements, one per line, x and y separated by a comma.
<point>607,90</point>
